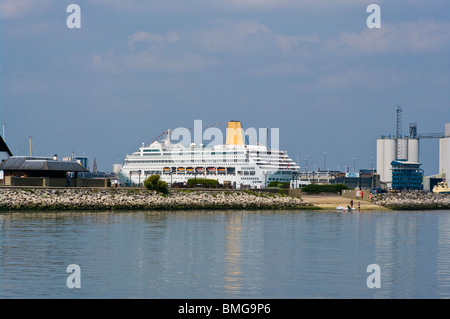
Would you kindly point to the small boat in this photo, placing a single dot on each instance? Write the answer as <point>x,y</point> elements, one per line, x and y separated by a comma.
<point>441,188</point>
<point>166,170</point>
<point>190,170</point>
<point>345,209</point>
<point>181,169</point>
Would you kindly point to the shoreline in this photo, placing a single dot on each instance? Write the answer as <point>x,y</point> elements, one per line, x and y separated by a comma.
<point>330,202</point>
<point>121,199</point>
<point>77,199</point>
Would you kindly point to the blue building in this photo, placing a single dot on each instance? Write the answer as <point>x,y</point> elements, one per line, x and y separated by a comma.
<point>83,160</point>
<point>406,175</point>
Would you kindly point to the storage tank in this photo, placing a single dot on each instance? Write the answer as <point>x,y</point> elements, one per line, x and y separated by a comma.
<point>402,149</point>
<point>380,156</point>
<point>413,150</point>
<point>389,156</point>
<point>444,157</point>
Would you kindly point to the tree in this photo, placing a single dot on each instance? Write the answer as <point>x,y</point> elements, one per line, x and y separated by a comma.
<point>154,183</point>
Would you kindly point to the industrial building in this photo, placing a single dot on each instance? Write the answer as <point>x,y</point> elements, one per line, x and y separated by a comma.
<point>398,156</point>
<point>391,148</point>
<point>406,175</point>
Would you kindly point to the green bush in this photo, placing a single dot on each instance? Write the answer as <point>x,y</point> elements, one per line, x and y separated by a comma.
<point>331,188</point>
<point>209,183</point>
<point>279,184</point>
<point>154,183</point>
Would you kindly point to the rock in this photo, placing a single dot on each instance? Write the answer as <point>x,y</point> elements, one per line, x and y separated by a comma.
<point>105,199</point>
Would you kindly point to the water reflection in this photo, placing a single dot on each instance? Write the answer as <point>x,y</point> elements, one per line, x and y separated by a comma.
<point>443,257</point>
<point>396,252</point>
<point>225,254</point>
<point>232,255</point>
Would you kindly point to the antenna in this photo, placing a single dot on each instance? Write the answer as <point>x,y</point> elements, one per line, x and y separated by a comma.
<point>29,142</point>
<point>4,138</point>
<point>398,146</point>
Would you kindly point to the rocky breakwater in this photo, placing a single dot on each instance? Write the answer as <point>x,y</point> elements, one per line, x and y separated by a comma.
<point>413,200</point>
<point>131,199</point>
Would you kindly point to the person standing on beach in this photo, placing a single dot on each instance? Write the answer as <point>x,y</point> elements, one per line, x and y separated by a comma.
<point>359,206</point>
<point>351,203</point>
<point>68,179</point>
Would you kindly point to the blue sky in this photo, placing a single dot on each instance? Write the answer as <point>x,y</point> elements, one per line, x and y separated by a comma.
<point>136,68</point>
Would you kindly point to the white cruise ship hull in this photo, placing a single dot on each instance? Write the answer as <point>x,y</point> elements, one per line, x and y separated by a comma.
<point>234,164</point>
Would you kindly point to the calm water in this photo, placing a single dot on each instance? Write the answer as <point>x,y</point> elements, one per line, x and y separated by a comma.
<point>225,254</point>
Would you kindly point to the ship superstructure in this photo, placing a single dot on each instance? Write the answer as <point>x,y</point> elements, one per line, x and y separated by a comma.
<point>236,163</point>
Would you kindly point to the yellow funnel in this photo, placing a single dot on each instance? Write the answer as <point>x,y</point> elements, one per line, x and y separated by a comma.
<point>234,133</point>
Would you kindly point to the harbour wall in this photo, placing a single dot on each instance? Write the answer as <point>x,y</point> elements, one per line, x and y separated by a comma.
<point>413,200</point>
<point>40,198</point>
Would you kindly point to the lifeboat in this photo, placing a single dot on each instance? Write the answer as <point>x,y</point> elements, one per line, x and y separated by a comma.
<point>222,170</point>
<point>211,170</point>
<point>181,169</point>
<point>200,169</point>
<point>167,170</point>
<point>190,170</point>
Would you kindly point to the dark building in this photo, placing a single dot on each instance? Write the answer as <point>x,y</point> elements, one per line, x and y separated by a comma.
<point>406,175</point>
<point>22,166</point>
<point>362,180</point>
<point>39,171</point>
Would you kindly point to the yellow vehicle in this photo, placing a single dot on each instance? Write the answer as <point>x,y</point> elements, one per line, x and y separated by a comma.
<point>441,188</point>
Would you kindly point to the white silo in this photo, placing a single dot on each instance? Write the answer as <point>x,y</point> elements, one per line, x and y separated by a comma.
<point>413,150</point>
<point>380,156</point>
<point>402,152</point>
<point>389,156</point>
<point>444,154</point>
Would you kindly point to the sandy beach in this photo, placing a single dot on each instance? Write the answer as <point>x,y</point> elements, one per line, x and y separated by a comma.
<point>333,201</point>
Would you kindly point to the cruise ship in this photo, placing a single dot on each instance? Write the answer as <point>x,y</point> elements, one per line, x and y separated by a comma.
<point>234,163</point>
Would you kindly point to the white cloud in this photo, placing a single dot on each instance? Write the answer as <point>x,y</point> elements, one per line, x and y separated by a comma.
<point>419,37</point>
<point>170,62</point>
<point>12,9</point>
<point>148,37</point>
<point>199,49</point>
<point>242,38</point>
